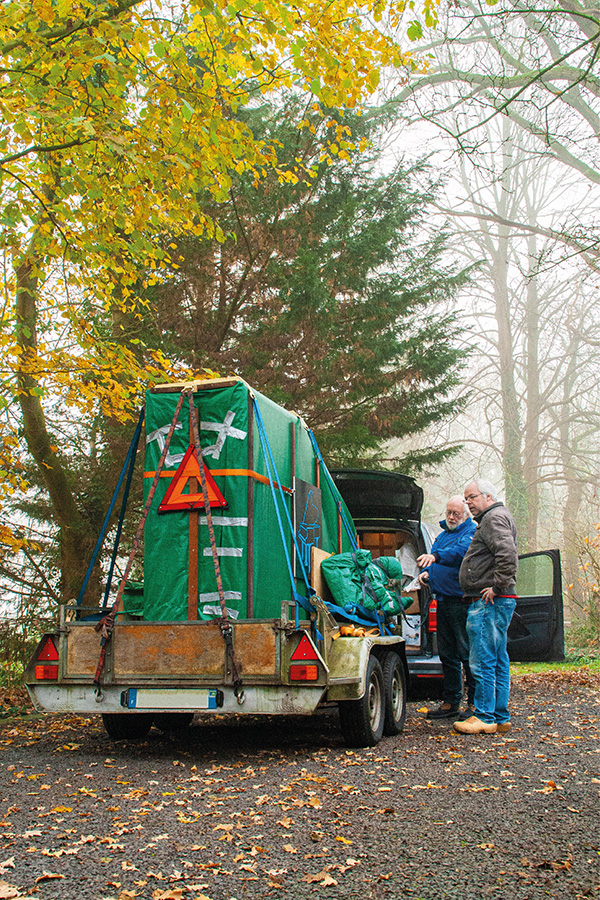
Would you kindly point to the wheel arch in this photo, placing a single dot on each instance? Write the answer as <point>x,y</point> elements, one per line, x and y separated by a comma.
<point>348,661</point>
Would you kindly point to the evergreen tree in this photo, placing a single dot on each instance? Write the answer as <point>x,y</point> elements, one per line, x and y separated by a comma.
<point>326,292</point>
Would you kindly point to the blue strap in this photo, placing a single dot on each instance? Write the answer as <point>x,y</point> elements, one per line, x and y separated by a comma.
<point>271,469</point>
<point>129,462</point>
<point>334,492</point>
<point>117,540</point>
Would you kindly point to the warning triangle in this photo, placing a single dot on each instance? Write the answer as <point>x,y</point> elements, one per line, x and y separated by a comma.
<point>304,650</point>
<point>175,498</point>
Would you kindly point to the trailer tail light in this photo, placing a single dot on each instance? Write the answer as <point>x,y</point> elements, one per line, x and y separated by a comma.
<point>47,672</point>
<point>432,623</point>
<point>304,661</point>
<point>304,673</point>
<point>46,664</point>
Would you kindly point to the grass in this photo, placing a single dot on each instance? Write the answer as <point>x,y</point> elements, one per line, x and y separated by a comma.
<point>568,665</point>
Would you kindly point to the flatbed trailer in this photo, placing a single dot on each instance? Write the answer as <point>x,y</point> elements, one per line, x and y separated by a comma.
<point>167,672</point>
<point>265,654</point>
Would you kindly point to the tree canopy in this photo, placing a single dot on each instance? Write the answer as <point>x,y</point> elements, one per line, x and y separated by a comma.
<point>118,121</point>
<point>326,293</point>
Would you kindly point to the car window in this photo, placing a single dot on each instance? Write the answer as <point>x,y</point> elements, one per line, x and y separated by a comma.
<point>534,576</point>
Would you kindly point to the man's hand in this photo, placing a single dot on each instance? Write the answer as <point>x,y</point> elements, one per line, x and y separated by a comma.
<point>424,578</point>
<point>426,559</point>
<point>487,595</point>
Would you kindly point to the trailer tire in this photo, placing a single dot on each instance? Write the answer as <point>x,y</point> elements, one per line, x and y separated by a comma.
<point>172,721</point>
<point>362,720</point>
<point>394,686</point>
<point>127,726</point>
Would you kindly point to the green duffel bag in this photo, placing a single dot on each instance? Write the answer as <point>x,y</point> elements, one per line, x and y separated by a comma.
<point>355,580</point>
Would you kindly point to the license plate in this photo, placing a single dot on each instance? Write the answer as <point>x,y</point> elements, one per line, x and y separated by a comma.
<point>172,698</point>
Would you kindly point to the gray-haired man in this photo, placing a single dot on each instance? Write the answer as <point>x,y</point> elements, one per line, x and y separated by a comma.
<point>487,578</point>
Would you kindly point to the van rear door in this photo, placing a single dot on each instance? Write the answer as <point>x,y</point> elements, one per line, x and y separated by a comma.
<point>537,628</point>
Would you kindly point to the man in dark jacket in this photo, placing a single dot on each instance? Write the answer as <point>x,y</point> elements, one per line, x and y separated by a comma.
<point>440,571</point>
<point>487,578</point>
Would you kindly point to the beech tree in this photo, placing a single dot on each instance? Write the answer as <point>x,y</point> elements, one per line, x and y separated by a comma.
<point>116,118</point>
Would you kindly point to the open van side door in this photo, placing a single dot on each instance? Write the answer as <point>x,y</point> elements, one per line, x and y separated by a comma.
<point>537,628</point>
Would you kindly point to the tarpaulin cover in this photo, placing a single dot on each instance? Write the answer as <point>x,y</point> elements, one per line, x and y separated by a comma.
<point>248,526</point>
<point>355,580</point>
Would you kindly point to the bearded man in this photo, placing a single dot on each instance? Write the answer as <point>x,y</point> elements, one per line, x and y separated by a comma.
<point>440,572</point>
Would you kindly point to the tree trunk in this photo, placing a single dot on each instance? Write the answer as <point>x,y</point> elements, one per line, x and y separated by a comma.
<point>516,494</point>
<point>531,454</point>
<point>74,537</point>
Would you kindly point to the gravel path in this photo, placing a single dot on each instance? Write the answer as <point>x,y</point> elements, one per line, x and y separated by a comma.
<point>272,808</point>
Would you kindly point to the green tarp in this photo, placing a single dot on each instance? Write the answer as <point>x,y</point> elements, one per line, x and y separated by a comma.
<point>248,526</point>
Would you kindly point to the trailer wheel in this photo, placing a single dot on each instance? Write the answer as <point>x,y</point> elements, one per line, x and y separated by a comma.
<point>127,726</point>
<point>394,687</point>
<point>170,722</point>
<point>362,720</point>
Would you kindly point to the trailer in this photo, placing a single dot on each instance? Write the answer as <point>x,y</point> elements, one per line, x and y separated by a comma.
<point>234,616</point>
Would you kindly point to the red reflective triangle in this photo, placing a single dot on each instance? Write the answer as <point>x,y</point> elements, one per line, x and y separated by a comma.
<point>304,650</point>
<point>48,652</point>
<point>176,499</point>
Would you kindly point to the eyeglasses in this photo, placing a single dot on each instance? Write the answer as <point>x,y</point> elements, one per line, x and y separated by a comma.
<point>453,513</point>
<point>472,496</point>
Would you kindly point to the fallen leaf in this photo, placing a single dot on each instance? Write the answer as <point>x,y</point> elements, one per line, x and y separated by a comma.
<point>47,876</point>
<point>8,891</point>
<point>286,822</point>
<point>342,840</point>
<point>289,849</point>
<point>323,878</point>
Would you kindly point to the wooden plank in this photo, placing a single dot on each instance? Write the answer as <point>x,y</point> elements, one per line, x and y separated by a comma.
<point>163,649</point>
<point>193,547</point>
<point>256,648</point>
<point>294,523</point>
<point>193,562</point>
<point>83,650</point>
<point>317,580</point>
<point>250,529</point>
<point>204,384</point>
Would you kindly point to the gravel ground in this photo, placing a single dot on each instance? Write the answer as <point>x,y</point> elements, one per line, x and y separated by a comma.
<point>269,808</point>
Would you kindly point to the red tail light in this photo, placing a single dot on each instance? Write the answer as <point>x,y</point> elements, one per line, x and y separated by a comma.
<point>304,673</point>
<point>304,661</point>
<point>432,622</point>
<point>48,672</point>
<point>46,662</point>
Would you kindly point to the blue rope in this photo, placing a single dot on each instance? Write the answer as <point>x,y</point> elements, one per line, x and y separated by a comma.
<point>117,540</point>
<point>272,470</point>
<point>128,462</point>
<point>349,529</point>
<point>334,492</point>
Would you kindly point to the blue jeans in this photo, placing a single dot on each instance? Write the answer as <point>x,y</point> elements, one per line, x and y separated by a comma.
<point>453,647</point>
<point>487,628</point>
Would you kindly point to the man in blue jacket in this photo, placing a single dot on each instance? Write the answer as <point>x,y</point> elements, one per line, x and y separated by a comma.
<point>440,571</point>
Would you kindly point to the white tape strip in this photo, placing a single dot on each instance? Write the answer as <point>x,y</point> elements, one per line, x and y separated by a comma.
<point>216,611</point>
<point>224,551</point>
<point>226,520</point>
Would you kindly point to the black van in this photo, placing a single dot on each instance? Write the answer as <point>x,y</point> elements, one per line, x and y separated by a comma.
<point>386,509</point>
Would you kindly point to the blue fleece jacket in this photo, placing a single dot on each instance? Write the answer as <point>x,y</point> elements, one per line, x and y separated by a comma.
<point>449,549</point>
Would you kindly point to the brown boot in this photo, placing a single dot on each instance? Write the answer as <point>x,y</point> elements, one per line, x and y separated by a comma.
<point>475,726</point>
<point>503,727</point>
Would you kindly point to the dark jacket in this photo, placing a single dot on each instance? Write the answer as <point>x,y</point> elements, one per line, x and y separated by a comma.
<point>449,549</point>
<point>492,559</point>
